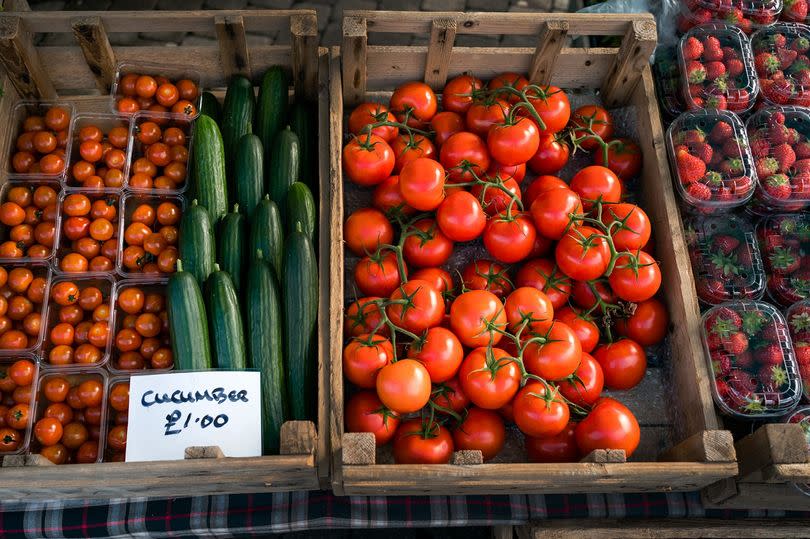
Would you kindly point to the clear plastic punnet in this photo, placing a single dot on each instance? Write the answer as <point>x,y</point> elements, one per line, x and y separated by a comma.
<point>668,81</point>
<point>785,245</point>
<point>149,232</point>
<point>130,95</point>
<point>41,139</point>
<point>100,152</point>
<point>19,401</point>
<point>798,319</point>
<point>747,15</point>
<point>782,63</point>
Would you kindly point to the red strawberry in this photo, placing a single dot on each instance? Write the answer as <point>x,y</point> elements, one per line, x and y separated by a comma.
<point>802,351</point>
<point>760,147</point>
<point>802,149</point>
<point>764,16</point>
<point>773,332</point>
<point>778,186</point>
<point>734,16</point>
<point>695,72</point>
<point>699,191</point>
<point>714,70</point>
<point>692,137</point>
<point>740,381</point>
<point>773,377</point>
<point>744,360</point>
<point>784,260</point>
<point>704,152</point>
<point>770,355</point>
<point>724,315</point>
<point>802,165</point>
<point>713,179</point>
<point>721,132</point>
<point>721,363</point>
<point>732,167</point>
<point>779,134</point>
<point>736,343</point>
<point>738,99</point>
<point>766,166</point>
<point>800,44</point>
<point>716,101</point>
<point>779,40</point>
<point>794,10</point>
<point>712,51</point>
<point>722,388</point>
<point>692,48</point>
<point>766,63</point>
<point>784,156</point>
<point>780,92</point>
<point>690,168</point>
<point>730,53</point>
<point>726,244</point>
<point>786,57</point>
<point>735,67</point>
<point>800,185</point>
<point>731,149</point>
<point>695,90</point>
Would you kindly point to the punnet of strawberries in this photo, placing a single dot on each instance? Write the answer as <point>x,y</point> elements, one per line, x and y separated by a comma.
<point>747,15</point>
<point>785,245</point>
<point>725,258</point>
<point>781,152</point>
<point>711,160</point>
<point>798,318</point>
<point>749,351</point>
<point>782,64</point>
<point>717,70</point>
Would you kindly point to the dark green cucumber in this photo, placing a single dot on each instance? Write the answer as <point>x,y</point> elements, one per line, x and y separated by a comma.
<point>248,173</point>
<point>237,114</point>
<point>187,323</point>
<point>299,290</point>
<point>210,107</point>
<point>272,106</point>
<point>283,167</point>
<point>231,246</point>
<point>264,344</point>
<point>301,209</point>
<point>225,322</point>
<point>304,123</point>
<point>210,185</point>
<point>196,242</point>
<point>266,234</point>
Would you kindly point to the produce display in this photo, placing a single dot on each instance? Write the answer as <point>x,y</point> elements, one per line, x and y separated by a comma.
<point>141,338</point>
<point>798,318</point>
<point>42,142</point>
<point>25,291</point>
<point>781,61</point>
<point>747,15</point>
<point>150,235</point>
<point>488,291</point>
<point>117,408</point>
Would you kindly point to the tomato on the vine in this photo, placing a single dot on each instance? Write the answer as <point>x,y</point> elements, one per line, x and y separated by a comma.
<point>623,158</point>
<point>515,172</point>
<point>509,236</point>
<point>446,124</point>
<point>610,425</point>
<point>552,105</point>
<point>592,118</point>
<point>543,274</point>
<point>475,316</point>
<point>421,184</point>
<point>628,225</point>
<point>540,410</point>
<point>365,412</point>
<point>363,358</point>
<point>388,199</point>
<point>407,147</point>
<point>583,253</point>
<point>514,81</point>
<point>487,275</point>
<point>635,277</point>
<point>464,148</point>
<point>552,211</point>
<point>530,305</point>
<point>559,448</point>
<point>414,101</point>
<point>623,363</point>
<point>439,278</point>
<point>416,306</point>
<point>489,377</point>
<point>496,198</point>
<point>457,95</point>
<point>417,443</point>
<point>403,386</point>
<point>461,217</point>
<point>377,275</point>
<point>450,395</point>
<point>596,183</point>
<point>583,325</point>
<point>368,160</point>
<point>370,113</point>
<point>364,316</point>
<point>514,141</point>
<point>440,352</point>
<point>586,384</point>
<point>551,155</point>
<point>366,229</point>
<point>426,245</point>
<point>584,294</point>
<point>541,184</point>
<point>553,354</point>
<point>482,430</point>
<point>484,114</point>
<point>647,325</point>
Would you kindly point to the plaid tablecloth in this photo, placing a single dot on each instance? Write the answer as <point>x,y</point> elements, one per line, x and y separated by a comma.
<point>246,514</point>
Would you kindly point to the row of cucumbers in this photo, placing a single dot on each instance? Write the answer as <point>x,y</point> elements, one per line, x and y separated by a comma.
<point>246,291</point>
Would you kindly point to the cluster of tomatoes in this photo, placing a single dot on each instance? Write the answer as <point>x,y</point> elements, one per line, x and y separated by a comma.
<point>99,158</point>
<point>40,148</point>
<point>16,382</point>
<point>160,154</point>
<point>30,215</point>
<point>565,308</point>
<point>156,94</point>
<point>69,418</point>
<point>150,237</point>
<point>22,295</point>
<point>142,337</point>
<point>89,240</point>
<point>79,323</point>
<point>118,416</point>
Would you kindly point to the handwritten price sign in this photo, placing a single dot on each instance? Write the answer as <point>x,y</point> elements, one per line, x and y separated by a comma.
<point>169,412</point>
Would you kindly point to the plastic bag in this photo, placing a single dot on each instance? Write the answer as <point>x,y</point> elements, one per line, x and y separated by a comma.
<point>664,11</point>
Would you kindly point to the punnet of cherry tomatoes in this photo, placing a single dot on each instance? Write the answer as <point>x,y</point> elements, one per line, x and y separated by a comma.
<point>99,155</point>
<point>139,88</point>
<point>18,378</point>
<point>42,141</point>
<point>499,272</point>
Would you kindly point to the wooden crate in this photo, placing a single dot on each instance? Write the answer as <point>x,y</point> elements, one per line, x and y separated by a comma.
<point>697,528</point>
<point>82,74</point>
<point>699,453</point>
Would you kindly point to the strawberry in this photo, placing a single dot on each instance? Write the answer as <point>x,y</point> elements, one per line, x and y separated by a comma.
<point>786,57</point>
<point>735,67</point>
<point>802,351</point>
<point>766,166</point>
<point>704,152</point>
<point>716,101</point>
<point>721,132</point>
<point>712,51</point>
<point>778,186</point>
<point>714,70</point>
<point>800,321</point>
<point>794,10</point>
<point>695,72</point>
<point>738,99</point>
<point>779,41</point>
<point>732,167</point>
<point>730,53</point>
<point>692,49</point>
<point>731,148</point>
<point>800,44</point>
<point>773,377</point>
<point>722,388</point>
<point>713,179</point>
<point>740,381</point>
<point>780,92</point>
<point>717,158</point>
<point>766,63</point>
<point>802,149</point>
<point>690,168</point>
<point>763,16</point>
<point>784,156</point>
<point>752,322</point>
<point>802,165</point>
<point>721,363</point>
<point>770,355</point>
<point>692,137</point>
<point>760,147</point>
<point>724,315</point>
<point>800,185</point>
<point>776,118</point>
<point>773,332</point>
<point>784,260</point>
<point>699,191</point>
<point>745,258</point>
<point>744,360</point>
<point>695,90</point>
<point>725,244</point>
<point>734,16</point>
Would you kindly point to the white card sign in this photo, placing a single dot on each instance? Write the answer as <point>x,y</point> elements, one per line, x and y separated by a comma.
<point>170,412</point>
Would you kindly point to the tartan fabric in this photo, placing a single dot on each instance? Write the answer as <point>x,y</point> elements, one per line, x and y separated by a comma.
<point>256,514</point>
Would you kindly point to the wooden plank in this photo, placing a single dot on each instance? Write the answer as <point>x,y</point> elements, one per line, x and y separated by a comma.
<point>16,461</point>
<point>16,5</point>
<point>92,38</point>
<point>775,443</point>
<point>549,44</point>
<point>355,45</point>
<point>664,528</point>
<point>637,46</point>
<point>21,60</point>
<point>605,455</point>
<point>298,438</point>
<point>502,532</point>
<point>304,34</point>
<point>233,50</point>
<point>467,457</point>
<point>762,496</point>
<point>358,448</point>
<point>704,446</point>
<point>442,38</point>
<point>203,452</point>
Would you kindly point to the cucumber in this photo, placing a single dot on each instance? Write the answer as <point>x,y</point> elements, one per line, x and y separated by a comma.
<point>237,114</point>
<point>283,167</point>
<point>225,322</point>
<point>208,155</point>
<point>231,246</point>
<point>301,209</point>
<point>304,123</point>
<point>264,345</point>
<point>196,242</point>
<point>188,326</point>
<point>248,173</point>
<point>272,106</point>
<point>210,107</point>
<point>266,233</point>
<point>299,290</point>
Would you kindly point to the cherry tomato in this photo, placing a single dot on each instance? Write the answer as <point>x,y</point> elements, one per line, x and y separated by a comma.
<point>415,443</point>
<point>48,431</point>
<point>56,389</point>
<point>481,430</point>
<point>583,253</point>
<point>559,448</point>
<point>449,395</point>
<point>365,412</point>
<point>508,80</point>
<point>368,160</point>
<point>421,184</point>
<point>404,386</point>
<point>610,425</point>
<point>540,410</point>
<point>584,294</point>
<point>22,372</point>
<point>473,313</point>
<point>489,377</point>
<point>363,358</point>
<point>9,440</point>
<point>623,363</point>
<point>647,325</point>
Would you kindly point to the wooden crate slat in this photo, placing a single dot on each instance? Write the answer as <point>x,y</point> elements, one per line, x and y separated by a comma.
<point>442,37</point>
<point>21,60</point>
<point>304,35</point>
<point>549,44</point>
<point>233,50</point>
<point>637,46</point>
<point>98,53</point>
<point>763,496</point>
<point>355,57</point>
<point>775,443</point>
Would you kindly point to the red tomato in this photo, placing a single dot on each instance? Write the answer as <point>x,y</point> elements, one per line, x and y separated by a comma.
<point>366,229</point>
<point>583,325</point>
<point>496,197</point>
<point>610,425</point>
<point>440,352</point>
<point>540,185</point>
<point>624,158</point>
<point>592,120</point>
<point>415,443</point>
<point>559,448</point>
<point>489,377</point>
<point>439,278</point>
<point>377,275</point>
<point>582,254</point>
<point>635,278</point>
<point>363,358</point>
<point>461,216</point>
<point>553,108</point>
<point>516,172</point>
<point>484,114</point>
<point>552,211</point>
<point>473,313</point>
<point>404,386</point>
<point>553,354</point>
<point>586,384</point>
<point>510,238</point>
<point>596,183</point>
<point>530,305</point>
<point>426,245</point>
<point>457,95</point>
<point>461,147</point>
<point>510,81</point>
<point>445,124</point>
<point>647,325</point>
<point>449,395</point>
<point>543,274</point>
<point>424,309</point>
<point>368,160</point>
<point>388,199</point>
<point>623,362</point>
<point>414,101</point>
<point>409,147</point>
<point>628,225</point>
<point>551,155</point>
<point>487,275</point>
<point>421,184</point>
<point>370,113</point>
<point>365,412</point>
<point>540,410</point>
<point>513,143</point>
<point>481,430</point>
<point>364,316</point>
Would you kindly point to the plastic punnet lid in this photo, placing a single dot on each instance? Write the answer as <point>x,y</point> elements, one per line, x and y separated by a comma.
<point>711,163</point>
<point>745,14</point>
<point>668,81</point>
<point>785,245</point>
<point>725,259</point>
<point>798,319</point>
<point>717,69</point>
<point>749,351</point>
<point>782,63</point>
